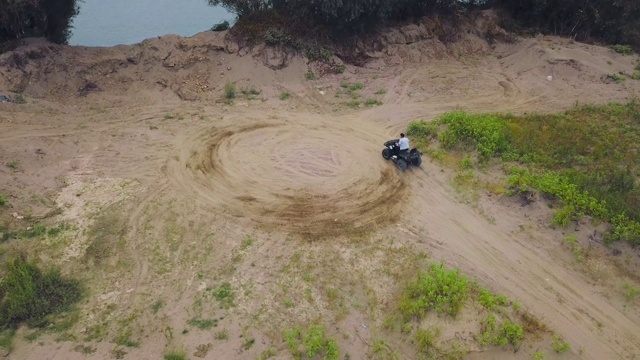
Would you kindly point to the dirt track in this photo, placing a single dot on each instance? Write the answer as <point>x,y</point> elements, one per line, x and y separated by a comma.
<point>189,180</point>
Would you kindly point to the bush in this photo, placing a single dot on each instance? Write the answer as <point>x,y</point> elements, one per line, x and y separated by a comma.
<point>314,342</point>
<point>622,49</point>
<point>284,95</point>
<point>559,345</point>
<point>310,75</point>
<point>439,289</point>
<point>373,102</point>
<point>229,90</point>
<point>486,133</point>
<point>636,75</point>
<point>3,200</point>
<point>275,36</point>
<point>221,26</point>
<point>30,295</point>
<point>501,335</point>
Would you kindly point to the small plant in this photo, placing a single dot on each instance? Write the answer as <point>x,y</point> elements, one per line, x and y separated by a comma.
<point>267,354</point>
<point>341,69</point>
<point>344,84</point>
<point>466,163</point>
<point>19,99</point>
<point>622,49</point>
<point>373,102</point>
<point>559,345</point>
<point>221,335</point>
<point>636,75</point>
<point>288,303</point>
<point>174,355</point>
<point>13,165</point>
<point>504,334</point>
<point>6,338</point>
<point>353,104</point>
<point>203,324</point>
<point>229,91</point>
<point>356,86</point>
<point>169,116</point>
<point>575,248</point>
<point>630,291</point>
<point>314,342</point>
<point>426,339</point>
<point>539,355</point>
<point>275,36</point>
<point>284,95</point>
<point>224,294</point>
<point>248,343</point>
<point>125,340</point>
<point>222,26</point>
<point>490,301</point>
<point>250,93</point>
<point>638,66</point>
<point>381,92</point>
<point>439,289</point>
<point>3,200</point>
<point>157,306</point>
<point>616,77</point>
<point>310,75</point>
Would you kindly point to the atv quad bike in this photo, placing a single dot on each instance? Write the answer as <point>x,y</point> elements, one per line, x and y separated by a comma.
<point>402,159</point>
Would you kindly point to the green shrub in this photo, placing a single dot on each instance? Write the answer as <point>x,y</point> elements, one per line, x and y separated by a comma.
<point>310,75</point>
<point>426,339</point>
<point>381,92</point>
<point>638,66</point>
<point>373,102</point>
<point>13,165</point>
<point>622,49</point>
<point>439,289</point>
<point>341,69</point>
<point>316,52</point>
<point>486,133</point>
<point>491,301</point>
<point>222,26</point>
<point>30,295</point>
<point>174,355</point>
<point>616,77</point>
<point>559,345</point>
<point>356,86</point>
<point>274,36</point>
<point>3,200</point>
<point>636,75</point>
<point>20,99</point>
<point>314,342</point>
<point>284,95</point>
<point>229,90</point>
<point>501,335</point>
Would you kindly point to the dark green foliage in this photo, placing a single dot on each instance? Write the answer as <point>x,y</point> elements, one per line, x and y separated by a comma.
<point>30,295</point>
<point>49,18</point>
<point>221,26</point>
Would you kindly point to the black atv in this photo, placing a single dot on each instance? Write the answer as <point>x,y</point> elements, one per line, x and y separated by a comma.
<point>402,159</point>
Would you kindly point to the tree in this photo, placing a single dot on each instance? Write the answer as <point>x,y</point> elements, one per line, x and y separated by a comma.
<point>26,18</point>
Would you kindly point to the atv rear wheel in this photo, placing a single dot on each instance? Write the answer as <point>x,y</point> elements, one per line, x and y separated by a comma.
<point>402,165</point>
<point>386,154</point>
<point>416,161</point>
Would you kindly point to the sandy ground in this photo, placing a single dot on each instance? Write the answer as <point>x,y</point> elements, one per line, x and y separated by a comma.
<point>172,192</point>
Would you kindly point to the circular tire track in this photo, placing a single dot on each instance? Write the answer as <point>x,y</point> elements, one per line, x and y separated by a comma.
<point>316,180</point>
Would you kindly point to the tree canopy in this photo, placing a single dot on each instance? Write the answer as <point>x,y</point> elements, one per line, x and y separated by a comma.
<point>49,18</point>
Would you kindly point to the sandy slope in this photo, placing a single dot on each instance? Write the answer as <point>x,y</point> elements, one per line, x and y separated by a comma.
<point>186,178</point>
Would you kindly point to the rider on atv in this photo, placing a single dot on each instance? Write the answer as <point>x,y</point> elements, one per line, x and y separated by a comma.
<point>403,144</point>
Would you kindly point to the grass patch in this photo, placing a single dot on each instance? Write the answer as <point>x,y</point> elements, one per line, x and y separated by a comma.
<point>157,306</point>
<point>169,116</point>
<point>221,335</point>
<point>616,77</point>
<point>105,234</point>
<point>353,104</point>
<point>310,75</point>
<point>125,340</point>
<point>559,345</point>
<point>572,240</point>
<point>635,75</point>
<point>224,294</point>
<point>630,292</point>
<point>6,339</point>
<point>585,158</point>
<point>3,200</point>
<point>501,334</point>
<point>310,343</point>
<point>13,165</point>
<point>622,49</point>
<point>373,102</point>
<point>20,99</point>
<point>250,93</point>
<point>28,294</point>
<point>284,95</point>
<point>229,91</point>
<point>381,92</point>
<point>340,69</point>
<point>203,324</point>
<point>174,355</point>
<point>440,289</point>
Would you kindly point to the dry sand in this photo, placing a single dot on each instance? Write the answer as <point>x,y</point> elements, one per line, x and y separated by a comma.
<point>289,201</point>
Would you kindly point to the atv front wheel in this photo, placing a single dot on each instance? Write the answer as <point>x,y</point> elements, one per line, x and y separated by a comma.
<point>386,154</point>
<point>416,161</point>
<point>402,165</point>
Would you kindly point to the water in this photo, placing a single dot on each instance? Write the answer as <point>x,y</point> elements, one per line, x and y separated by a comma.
<point>114,22</point>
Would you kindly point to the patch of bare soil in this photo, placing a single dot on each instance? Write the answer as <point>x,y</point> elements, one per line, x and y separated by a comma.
<point>190,215</point>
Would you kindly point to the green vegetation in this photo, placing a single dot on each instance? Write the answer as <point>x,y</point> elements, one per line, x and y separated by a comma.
<point>267,354</point>
<point>311,343</point>
<point>6,338</point>
<point>309,75</point>
<point>27,294</point>
<point>340,69</point>
<point>500,334</point>
<point>381,92</point>
<point>439,289</point>
<point>224,295</point>
<point>13,165</point>
<point>157,306</point>
<point>37,18</point>
<point>248,343</point>
<point>20,99</point>
<point>616,77</point>
<point>222,26</point>
<point>622,49</point>
<point>636,75</point>
<point>490,301</point>
<point>575,248</point>
<point>203,324</point>
<point>3,200</point>
<point>585,158</point>
<point>538,355</point>
<point>373,102</point>
<point>229,91</point>
<point>221,335</point>
<point>284,95</point>
<point>559,345</point>
<point>426,340</point>
<point>250,93</point>
<point>630,292</point>
<point>175,355</point>
<point>125,340</point>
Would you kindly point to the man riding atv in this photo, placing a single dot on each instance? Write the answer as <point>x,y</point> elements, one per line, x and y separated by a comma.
<point>401,154</point>
<point>403,144</point>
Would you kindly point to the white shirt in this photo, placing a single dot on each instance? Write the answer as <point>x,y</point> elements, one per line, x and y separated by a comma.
<point>404,143</point>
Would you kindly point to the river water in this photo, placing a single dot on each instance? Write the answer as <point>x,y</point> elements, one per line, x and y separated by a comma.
<point>114,22</point>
